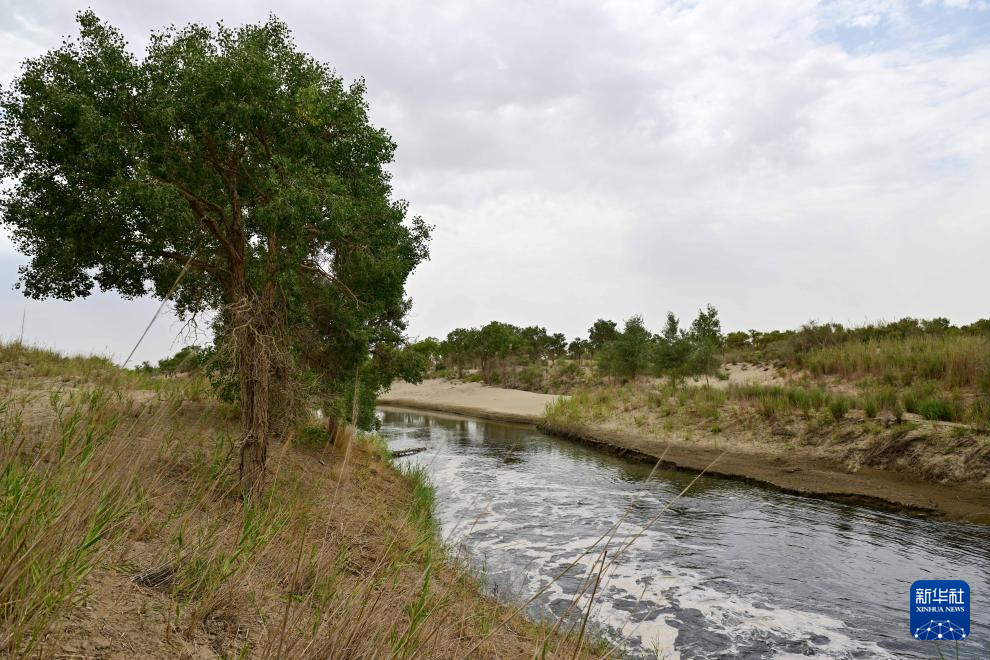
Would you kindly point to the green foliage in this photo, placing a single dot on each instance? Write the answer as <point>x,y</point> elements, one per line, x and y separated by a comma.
<point>497,348</point>
<point>706,339</point>
<point>628,354</point>
<point>706,328</point>
<point>311,436</point>
<point>185,360</point>
<point>838,406</point>
<point>428,353</point>
<point>232,156</point>
<point>216,149</point>
<point>737,340</point>
<point>671,351</point>
<point>578,348</point>
<point>600,333</point>
<point>937,409</point>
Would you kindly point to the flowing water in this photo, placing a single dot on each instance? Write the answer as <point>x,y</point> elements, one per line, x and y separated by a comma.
<point>730,570</point>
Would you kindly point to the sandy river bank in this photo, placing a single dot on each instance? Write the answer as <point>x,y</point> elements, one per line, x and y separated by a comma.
<point>472,399</point>
<point>787,469</point>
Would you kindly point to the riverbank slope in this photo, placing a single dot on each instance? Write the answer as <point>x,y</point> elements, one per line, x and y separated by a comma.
<point>913,465</point>
<point>125,535</point>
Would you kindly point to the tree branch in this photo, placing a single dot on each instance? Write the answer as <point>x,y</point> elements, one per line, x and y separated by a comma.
<point>315,268</point>
<point>197,204</point>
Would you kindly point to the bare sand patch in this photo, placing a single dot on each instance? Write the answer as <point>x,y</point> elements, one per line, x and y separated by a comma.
<point>475,399</point>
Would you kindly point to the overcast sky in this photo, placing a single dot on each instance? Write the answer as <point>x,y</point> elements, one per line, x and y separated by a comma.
<point>785,161</point>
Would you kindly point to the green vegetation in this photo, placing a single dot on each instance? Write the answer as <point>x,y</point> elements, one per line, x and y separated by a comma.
<point>229,172</point>
<point>496,350</point>
<point>627,354</point>
<point>533,359</point>
<point>955,360</point>
<point>928,368</point>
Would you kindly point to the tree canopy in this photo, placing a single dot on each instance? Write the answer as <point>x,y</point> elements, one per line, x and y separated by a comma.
<point>226,155</point>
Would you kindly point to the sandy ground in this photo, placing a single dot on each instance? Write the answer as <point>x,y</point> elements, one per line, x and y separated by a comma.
<point>742,373</point>
<point>475,399</point>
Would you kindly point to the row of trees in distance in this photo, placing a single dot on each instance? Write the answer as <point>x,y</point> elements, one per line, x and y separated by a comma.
<point>676,352</point>
<point>626,352</point>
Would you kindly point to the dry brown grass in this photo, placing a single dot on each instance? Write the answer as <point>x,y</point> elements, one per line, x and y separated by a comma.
<point>123,535</point>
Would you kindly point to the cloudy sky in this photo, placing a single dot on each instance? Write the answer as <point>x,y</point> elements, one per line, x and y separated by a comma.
<point>783,160</point>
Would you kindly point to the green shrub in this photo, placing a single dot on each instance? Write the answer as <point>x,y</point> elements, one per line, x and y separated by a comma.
<point>886,397</point>
<point>914,395</point>
<point>839,406</point>
<point>311,436</point>
<point>937,409</point>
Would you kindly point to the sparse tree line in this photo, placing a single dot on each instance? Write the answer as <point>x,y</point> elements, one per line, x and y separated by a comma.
<point>498,350</point>
<point>502,353</point>
<point>493,349</point>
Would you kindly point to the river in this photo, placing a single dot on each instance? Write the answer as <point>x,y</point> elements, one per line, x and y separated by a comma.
<point>729,569</point>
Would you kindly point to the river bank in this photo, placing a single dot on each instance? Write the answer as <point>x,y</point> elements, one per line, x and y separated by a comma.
<point>829,461</point>
<point>122,502</point>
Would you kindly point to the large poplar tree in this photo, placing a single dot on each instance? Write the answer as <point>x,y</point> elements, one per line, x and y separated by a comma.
<point>225,153</point>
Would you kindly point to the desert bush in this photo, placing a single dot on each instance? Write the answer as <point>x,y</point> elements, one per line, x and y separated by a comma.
<point>938,409</point>
<point>870,405</point>
<point>838,406</point>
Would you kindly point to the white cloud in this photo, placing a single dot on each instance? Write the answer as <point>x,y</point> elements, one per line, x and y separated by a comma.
<point>584,160</point>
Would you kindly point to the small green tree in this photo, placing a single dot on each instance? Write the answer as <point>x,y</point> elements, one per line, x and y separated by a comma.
<point>671,351</point>
<point>600,333</point>
<point>706,339</point>
<point>737,340</point>
<point>556,345</point>
<point>628,354</point>
<point>707,328</point>
<point>459,348</point>
<point>578,348</point>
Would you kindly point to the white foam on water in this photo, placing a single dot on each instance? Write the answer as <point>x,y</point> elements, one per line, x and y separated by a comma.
<point>481,507</point>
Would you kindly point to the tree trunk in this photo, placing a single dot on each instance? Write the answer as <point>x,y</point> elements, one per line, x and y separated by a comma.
<point>253,334</point>
<point>332,426</point>
<point>355,406</point>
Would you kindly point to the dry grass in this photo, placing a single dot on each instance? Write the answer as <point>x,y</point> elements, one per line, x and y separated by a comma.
<point>953,360</point>
<point>123,535</point>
